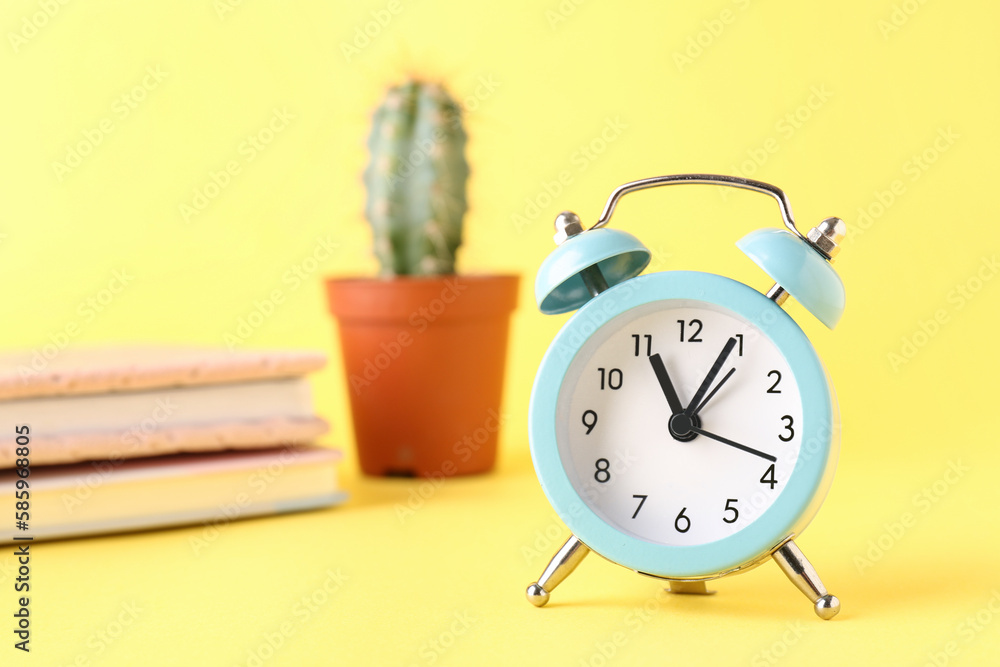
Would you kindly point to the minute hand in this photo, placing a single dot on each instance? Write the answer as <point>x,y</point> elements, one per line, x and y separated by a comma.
<point>727,441</point>
<point>716,367</point>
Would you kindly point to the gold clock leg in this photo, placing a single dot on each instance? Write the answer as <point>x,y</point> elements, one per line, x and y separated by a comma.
<point>689,587</point>
<point>560,567</point>
<point>801,572</point>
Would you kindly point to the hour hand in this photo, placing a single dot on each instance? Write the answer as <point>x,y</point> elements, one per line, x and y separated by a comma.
<point>665,384</point>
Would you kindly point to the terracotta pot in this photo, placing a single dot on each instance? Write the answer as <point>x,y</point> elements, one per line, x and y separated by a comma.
<point>424,359</point>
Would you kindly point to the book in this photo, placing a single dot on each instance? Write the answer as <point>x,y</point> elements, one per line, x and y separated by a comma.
<point>139,437</point>
<point>93,370</point>
<point>99,497</point>
<point>128,402</point>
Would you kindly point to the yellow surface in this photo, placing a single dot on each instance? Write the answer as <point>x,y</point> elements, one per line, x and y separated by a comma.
<point>902,125</point>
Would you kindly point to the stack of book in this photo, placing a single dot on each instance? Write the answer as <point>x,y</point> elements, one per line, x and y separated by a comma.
<point>143,437</point>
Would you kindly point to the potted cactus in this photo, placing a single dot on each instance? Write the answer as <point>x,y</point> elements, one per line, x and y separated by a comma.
<point>424,348</point>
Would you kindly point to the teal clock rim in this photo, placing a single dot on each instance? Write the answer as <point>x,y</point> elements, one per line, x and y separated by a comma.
<point>789,508</point>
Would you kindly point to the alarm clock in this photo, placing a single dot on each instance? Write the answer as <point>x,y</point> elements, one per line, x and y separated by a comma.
<point>681,423</point>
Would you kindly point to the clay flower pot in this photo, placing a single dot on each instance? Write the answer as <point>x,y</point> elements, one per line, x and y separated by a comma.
<point>424,358</point>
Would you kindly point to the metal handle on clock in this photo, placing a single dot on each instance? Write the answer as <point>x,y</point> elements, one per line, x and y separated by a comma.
<point>702,179</point>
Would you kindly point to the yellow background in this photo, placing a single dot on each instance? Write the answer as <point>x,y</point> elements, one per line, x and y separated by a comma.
<point>540,80</point>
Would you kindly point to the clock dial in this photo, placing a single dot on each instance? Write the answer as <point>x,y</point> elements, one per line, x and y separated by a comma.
<point>678,422</point>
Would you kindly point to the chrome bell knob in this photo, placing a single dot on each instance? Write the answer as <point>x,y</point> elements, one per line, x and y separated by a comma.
<point>827,235</point>
<point>567,225</point>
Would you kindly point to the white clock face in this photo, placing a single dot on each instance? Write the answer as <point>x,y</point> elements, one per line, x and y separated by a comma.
<point>661,447</point>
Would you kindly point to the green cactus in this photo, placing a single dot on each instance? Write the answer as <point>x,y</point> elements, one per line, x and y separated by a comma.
<point>416,180</point>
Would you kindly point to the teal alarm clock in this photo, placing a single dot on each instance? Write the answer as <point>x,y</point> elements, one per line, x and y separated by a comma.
<point>681,423</point>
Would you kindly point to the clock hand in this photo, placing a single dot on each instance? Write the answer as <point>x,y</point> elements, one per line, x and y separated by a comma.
<point>717,388</point>
<point>665,384</point>
<point>737,445</point>
<point>716,367</point>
